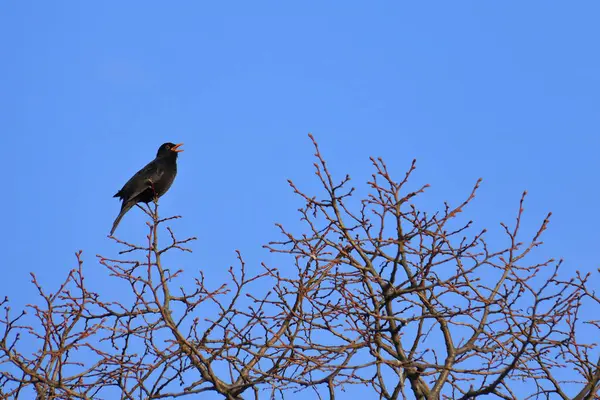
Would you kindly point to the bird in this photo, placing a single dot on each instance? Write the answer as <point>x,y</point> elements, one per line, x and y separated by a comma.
<point>150,182</point>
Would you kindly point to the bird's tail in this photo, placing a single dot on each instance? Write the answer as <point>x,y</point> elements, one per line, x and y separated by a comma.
<point>124,208</point>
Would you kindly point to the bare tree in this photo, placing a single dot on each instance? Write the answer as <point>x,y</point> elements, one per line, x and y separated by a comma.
<point>373,292</point>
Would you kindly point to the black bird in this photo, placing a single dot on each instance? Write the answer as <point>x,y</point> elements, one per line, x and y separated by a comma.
<point>150,182</point>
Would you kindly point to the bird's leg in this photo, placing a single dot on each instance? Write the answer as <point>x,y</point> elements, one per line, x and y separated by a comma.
<point>155,201</point>
<point>155,195</point>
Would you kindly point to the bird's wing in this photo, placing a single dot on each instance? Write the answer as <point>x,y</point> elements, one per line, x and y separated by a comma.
<point>141,181</point>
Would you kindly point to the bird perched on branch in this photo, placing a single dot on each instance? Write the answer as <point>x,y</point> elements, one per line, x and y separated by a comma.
<point>150,182</point>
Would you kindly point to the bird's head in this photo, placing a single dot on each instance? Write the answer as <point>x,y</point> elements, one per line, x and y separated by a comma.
<point>169,149</point>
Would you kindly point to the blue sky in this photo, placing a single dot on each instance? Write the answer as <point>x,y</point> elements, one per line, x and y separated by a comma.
<point>508,91</point>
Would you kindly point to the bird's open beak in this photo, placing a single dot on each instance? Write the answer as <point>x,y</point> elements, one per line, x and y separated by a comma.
<point>176,148</point>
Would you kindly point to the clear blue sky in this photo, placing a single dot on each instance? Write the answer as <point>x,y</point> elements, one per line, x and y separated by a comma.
<point>508,91</point>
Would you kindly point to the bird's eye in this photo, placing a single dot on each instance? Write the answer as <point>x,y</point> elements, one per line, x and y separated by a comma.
<point>168,147</point>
